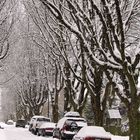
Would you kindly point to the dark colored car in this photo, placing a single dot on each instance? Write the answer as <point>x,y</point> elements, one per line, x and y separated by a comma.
<point>20,123</point>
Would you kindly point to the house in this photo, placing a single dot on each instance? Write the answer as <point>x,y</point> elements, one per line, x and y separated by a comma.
<point>112,117</point>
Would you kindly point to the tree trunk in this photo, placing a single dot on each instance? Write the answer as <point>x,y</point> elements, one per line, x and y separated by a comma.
<point>98,113</point>
<point>55,113</point>
<point>134,124</point>
<point>36,110</point>
<point>67,107</point>
<point>67,90</point>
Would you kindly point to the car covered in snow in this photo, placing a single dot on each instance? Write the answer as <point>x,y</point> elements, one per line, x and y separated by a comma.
<point>1,127</point>
<point>46,129</point>
<point>36,122</point>
<point>10,122</point>
<point>92,133</point>
<point>68,126</point>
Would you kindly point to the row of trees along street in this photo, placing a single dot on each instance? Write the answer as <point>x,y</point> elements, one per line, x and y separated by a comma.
<point>89,49</point>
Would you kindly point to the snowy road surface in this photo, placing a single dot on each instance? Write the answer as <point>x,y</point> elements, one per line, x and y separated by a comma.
<point>13,133</point>
<point>10,132</point>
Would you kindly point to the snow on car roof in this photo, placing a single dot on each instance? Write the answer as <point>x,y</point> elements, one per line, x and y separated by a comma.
<point>94,131</point>
<point>72,114</point>
<point>10,121</point>
<point>39,116</point>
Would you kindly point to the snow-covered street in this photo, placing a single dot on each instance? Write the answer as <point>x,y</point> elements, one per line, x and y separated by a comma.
<point>12,133</point>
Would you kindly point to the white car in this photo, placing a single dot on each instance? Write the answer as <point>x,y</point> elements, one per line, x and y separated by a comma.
<point>36,122</point>
<point>92,133</point>
<point>10,122</point>
<point>46,129</point>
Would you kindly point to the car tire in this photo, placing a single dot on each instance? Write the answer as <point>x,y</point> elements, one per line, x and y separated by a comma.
<point>38,134</point>
<point>35,132</point>
<point>61,137</point>
<point>43,133</point>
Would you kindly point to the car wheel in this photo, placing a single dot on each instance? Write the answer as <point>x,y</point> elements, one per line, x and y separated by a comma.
<point>61,137</point>
<point>43,133</point>
<point>38,134</point>
<point>35,132</point>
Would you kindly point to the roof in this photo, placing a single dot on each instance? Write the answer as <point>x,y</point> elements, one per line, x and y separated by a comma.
<point>114,114</point>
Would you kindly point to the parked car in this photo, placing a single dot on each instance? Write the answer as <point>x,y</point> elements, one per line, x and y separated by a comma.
<point>36,122</point>
<point>68,126</point>
<point>2,124</point>
<point>46,129</point>
<point>10,122</point>
<point>1,127</point>
<point>20,123</point>
<point>92,133</point>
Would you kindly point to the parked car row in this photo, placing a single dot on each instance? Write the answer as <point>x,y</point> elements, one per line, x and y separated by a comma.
<point>71,126</point>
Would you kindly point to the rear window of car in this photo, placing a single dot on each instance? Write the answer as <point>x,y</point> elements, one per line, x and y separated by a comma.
<point>77,120</point>
<point>43,119</point>
<point>20,121</point>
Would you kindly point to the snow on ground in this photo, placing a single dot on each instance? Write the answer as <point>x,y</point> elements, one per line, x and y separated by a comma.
<point>120,138</point>
<point>10,132</point>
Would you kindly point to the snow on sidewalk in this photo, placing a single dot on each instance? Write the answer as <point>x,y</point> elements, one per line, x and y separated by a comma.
<point>119,137</point>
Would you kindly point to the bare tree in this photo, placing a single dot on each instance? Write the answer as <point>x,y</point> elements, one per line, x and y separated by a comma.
<point>108,25</point>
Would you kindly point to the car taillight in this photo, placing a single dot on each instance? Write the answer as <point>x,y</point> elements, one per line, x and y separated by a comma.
<point>89,138</point>
<point>65,127</point>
